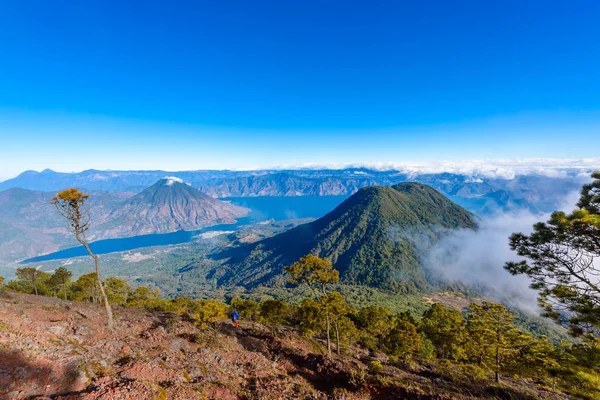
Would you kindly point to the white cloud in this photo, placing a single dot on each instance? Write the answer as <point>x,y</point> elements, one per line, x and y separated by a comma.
<point>474,180</point>
<point>478,169</point>
<point>475,170</point>
<point>172,179</point>
<point>478,257</point>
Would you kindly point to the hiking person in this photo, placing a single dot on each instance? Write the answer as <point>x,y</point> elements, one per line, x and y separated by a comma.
<point>235,318</point>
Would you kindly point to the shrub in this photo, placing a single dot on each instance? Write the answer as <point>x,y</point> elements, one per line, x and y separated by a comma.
<point>375,367</point>
<point>358,378</point>
<point>273,313</point>
<point>208,312</point>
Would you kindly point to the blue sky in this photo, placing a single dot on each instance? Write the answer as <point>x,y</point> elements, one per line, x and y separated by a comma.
<point>190,85</point>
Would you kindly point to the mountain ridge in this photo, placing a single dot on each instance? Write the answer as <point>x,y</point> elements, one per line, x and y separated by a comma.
<point>538,193</point>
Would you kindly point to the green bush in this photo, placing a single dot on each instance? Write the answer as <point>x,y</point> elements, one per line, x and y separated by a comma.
<point>375,367</point>
<point>428,350</point>
<point>358,378</point>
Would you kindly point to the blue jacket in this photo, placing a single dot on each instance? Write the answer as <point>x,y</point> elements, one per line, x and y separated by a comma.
<point>235,316</point>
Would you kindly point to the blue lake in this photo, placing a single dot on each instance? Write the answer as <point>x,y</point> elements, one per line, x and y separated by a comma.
<point>278,208</point>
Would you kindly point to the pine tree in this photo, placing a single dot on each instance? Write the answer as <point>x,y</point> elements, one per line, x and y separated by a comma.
<point>402,340</point>
<point>33,277</point>
<point>117,290</point>
<point>375,321</point>
<point>310,316</point>
<point>336,308</point>
<point>60,279</point>
<point>141,295</point>
<point>536,358</point>
<point>493,339</point>
<point>85,288</point>
<point>273,313</point>
<point>446,328</point>
<point>563,263</point>
<point>206,312</point>
<point>319,272</point>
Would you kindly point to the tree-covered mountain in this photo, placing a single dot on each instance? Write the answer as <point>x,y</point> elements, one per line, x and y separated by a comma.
<point>374,238</point>
<point>167,206</point>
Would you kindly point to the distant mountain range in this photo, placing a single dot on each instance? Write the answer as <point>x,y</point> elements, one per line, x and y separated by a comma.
<point>375,238</point>
<point>123,204</point>
<point>480,194</point>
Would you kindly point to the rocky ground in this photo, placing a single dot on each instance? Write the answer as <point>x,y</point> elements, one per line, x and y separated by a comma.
<point>54,349</point>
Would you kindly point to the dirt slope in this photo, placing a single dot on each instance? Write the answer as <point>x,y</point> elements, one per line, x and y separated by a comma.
<point>52,349</point>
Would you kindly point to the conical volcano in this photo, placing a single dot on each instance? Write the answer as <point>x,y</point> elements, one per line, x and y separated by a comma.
<point>168,206</point>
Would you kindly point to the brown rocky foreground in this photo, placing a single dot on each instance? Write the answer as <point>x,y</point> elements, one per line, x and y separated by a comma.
<point>54,349</point>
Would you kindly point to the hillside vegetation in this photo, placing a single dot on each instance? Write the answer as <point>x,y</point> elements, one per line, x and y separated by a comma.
<point>182,349</point>
<point>374,238</point>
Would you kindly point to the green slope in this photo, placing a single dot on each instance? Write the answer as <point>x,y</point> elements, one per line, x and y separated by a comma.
<point>373,238</point>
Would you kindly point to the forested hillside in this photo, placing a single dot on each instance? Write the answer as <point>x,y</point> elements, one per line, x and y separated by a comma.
<point>61,348</point>
<point>375,238</point>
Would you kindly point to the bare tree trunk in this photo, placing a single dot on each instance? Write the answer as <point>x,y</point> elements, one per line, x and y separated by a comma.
<point>65,290</point>
<point>327,324</point>
<point>328,336</point>
<point>337,338</point>
<point>498,364</point>
<point>109,316</point>
<point>35,286</point>
<point>498,358</point>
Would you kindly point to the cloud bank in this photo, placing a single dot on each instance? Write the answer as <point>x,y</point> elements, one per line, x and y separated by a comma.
<point>477,169</point>
<point>477,258</point>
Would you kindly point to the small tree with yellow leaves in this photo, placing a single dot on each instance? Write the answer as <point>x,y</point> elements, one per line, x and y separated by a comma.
<point>71,204</point>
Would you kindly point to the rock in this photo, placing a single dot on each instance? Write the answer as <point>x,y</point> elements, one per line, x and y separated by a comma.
<point>75,338</point>
<point>255,345</point>
<point>83,330</point>
<point>80,382</point>
<point>179,344</point>
<point>15,394</point>
<point>195,373</point>
<point>57,329</point>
